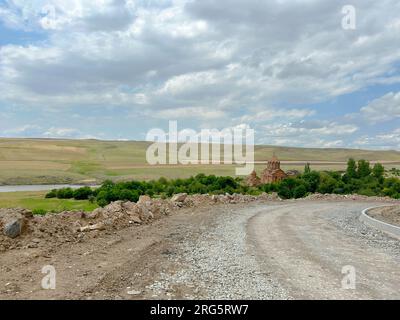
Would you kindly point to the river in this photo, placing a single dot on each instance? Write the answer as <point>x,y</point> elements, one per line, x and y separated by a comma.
<point>37,187</point>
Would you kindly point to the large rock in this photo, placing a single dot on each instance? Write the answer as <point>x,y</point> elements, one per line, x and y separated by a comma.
<point>130,208</point>
<point>180,197</point>
<point>144,199</point>
<point>13,228</point>
<point>114,207</point>
<point>145,214</point>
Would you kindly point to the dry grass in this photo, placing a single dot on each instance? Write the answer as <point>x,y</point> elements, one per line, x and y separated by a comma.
<point>28,161</point>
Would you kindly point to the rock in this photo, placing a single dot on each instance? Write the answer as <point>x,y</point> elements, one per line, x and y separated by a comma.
<point>114,207</point>
<point>97,226</point>
<point>94,214</point>
<point>145,214</point>
<point>134,292</point>
<point>180,197</point>
<point>32,245</point>
<point>144,199</point>
<point>131,208</point>
<point>135,219</point>
<point>13,228</point>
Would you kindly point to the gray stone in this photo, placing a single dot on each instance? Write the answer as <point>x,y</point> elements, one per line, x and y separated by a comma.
<point>13,229</point>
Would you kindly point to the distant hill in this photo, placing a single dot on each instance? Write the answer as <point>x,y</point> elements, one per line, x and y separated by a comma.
<point>41,161</point>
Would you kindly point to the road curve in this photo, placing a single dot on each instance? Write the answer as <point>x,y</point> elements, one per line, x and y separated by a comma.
<point>262,250</point>
<point>307,244</point>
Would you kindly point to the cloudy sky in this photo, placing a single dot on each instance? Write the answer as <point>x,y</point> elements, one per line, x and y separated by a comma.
<point>113,69</point>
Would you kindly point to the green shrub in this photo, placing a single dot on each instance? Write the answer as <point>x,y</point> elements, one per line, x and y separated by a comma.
<point>51,194</point>
<point>102,202</point>
<point>65,193</point>
<point>299,192</point>
<point>83,193</point>
<point>358,178</point>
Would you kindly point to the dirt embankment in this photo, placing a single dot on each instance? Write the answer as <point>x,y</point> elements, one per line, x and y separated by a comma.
<point>22,230</point>
<point>389,215</point>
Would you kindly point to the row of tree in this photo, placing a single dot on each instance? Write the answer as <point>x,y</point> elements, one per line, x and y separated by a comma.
<point>359,178</point>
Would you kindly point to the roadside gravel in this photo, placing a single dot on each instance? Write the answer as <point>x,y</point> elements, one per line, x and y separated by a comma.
<point>349,221</point>
<point>219,261</point>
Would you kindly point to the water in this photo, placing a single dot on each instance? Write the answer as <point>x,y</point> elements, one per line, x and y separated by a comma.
<point>37,187</point>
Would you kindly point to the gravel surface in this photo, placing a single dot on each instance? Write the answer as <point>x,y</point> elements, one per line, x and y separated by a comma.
<point>220,263</point>
<point>308,245</point>
<point>349,221</point>
<point>261,250</point>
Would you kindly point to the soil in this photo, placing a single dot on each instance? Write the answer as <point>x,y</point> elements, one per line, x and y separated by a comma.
<point>259,250</point>
<point>389,215</point>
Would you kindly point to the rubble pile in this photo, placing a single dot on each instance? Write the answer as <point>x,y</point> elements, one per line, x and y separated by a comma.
<point>21,229</point>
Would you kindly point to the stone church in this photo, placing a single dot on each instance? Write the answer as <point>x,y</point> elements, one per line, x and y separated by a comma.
<point>272,173</point>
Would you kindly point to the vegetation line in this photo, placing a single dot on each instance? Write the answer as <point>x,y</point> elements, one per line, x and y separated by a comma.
<point>359,178</point>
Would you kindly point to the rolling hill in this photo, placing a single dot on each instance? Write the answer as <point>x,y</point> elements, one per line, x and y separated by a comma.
<point>43,161</point>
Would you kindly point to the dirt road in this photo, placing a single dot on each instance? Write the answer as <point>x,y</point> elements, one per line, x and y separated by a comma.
<point>276,250</point>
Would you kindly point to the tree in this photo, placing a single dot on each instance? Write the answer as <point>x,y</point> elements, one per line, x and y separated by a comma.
<point>327,184</point>
<point>378,171</point>
<point>312,180</point>
<point>351,168</point>
<point>307,168</point>
<point>300,191</point>
<point>128,195</point>
<point>363,169</point>
<point>284,191</point>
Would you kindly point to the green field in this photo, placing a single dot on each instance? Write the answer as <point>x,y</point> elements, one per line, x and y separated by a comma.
<point>47,161</point>
<point>36,200</point>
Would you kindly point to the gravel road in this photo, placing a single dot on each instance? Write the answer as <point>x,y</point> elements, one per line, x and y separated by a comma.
<point>276,250</point>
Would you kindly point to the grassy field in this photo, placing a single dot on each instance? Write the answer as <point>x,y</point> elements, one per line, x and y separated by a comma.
<point>46,161</point>
<point>36,200</point>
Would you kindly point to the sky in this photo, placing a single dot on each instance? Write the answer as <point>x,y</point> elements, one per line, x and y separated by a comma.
<point>114,69</point>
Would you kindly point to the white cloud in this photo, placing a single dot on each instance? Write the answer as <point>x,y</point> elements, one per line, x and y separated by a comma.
<point>384,141</point>
<point>61,132</point>
<point>216,63</point>
<point>385,108</point>
<point>308,133</point>
<point>186,113</point>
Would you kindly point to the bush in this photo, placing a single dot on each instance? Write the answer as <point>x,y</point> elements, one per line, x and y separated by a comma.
<point>65,193</point>
<point>358,178</point>
<point>299,192</point>
<point>83,193</point>
<point>128,195</point>
<point>51,194</point>
<point>102,202</point>
<point>327,184</point>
